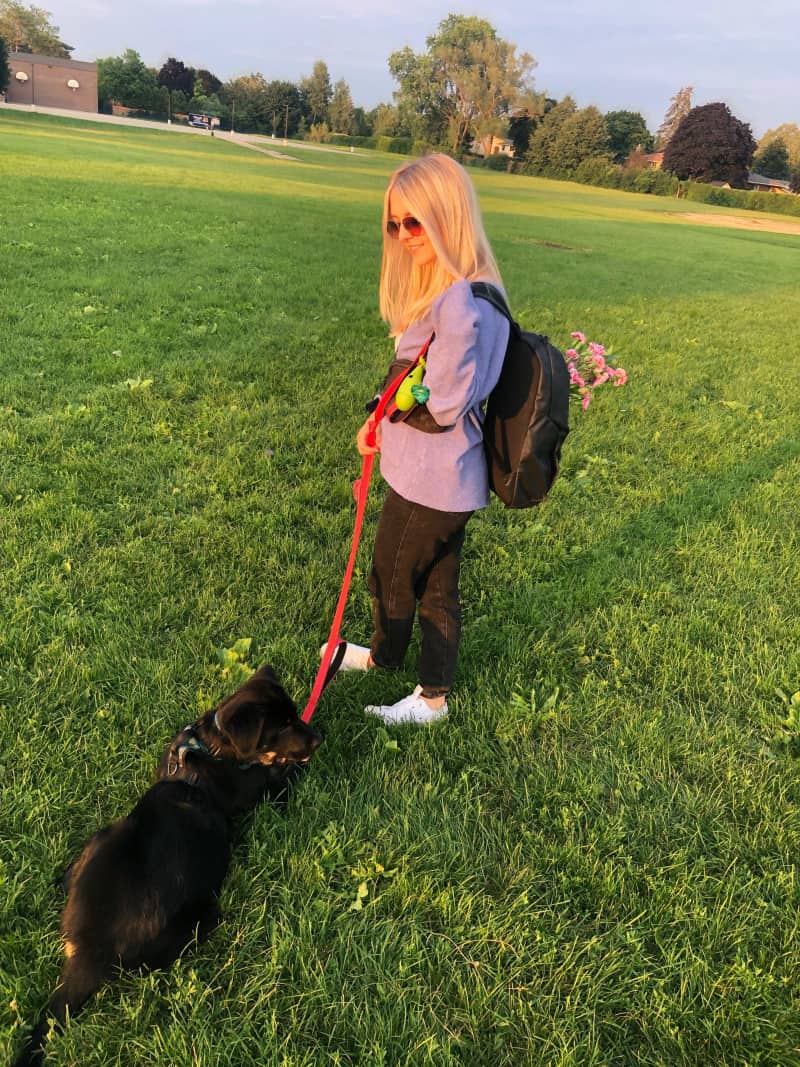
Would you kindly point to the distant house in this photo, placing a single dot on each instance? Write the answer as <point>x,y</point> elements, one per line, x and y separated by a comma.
<point>493,146</point>
<point>763,184</point>
<point>653,159</point>
<point>48,81</point>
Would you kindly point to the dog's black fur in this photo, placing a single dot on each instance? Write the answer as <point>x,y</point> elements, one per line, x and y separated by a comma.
<point>144,887</point>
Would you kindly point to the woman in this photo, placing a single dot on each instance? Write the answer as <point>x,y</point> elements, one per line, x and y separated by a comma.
<point>434,246</point>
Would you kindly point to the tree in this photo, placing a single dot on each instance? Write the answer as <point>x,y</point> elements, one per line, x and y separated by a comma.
<point>126,80</point>
<point>711,144</point>
<point>341,109</point>
<point>773,161</point>
<point>176,76</point>
<point>243,100</point>
<point>28,29</point>
<point>582,135</point>
<point>468,83</point>
<point>789,133</point>
<point>5,73</point>
<point>421,103</point>
<point>281,108</point>
<point>540,156</point>
<point>204,103</point>
<point>627,131</point>
<point>680,105</point>
<point>362,122</point>
<point>317,92</point>
<point>386,121</point>
<point>210,82</point>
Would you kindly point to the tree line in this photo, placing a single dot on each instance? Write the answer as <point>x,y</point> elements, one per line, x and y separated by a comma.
<point>466,89</point>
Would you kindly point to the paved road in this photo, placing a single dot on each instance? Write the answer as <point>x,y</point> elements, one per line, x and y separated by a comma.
<point>248,140</point>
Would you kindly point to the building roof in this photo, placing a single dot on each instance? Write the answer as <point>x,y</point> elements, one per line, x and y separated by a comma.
<point>50,61</point>
<point>761,179</point>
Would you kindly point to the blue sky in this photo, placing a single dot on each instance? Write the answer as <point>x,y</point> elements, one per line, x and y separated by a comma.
<point>604,53</point>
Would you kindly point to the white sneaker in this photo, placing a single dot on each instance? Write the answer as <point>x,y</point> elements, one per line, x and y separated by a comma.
<point>411,709</point>
<point>356,657</point>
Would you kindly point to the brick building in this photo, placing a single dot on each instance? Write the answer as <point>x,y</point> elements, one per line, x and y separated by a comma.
<point>47,81</point>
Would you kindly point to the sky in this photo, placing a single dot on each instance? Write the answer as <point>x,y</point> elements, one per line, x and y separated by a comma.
<point>614,54</point>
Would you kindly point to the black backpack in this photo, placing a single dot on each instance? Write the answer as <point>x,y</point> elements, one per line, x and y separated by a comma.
<point>527,413</point>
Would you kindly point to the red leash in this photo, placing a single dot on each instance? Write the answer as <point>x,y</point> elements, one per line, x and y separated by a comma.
<point>336,647</point>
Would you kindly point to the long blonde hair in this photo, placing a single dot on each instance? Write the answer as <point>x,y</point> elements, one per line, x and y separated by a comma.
<point>441,195</point>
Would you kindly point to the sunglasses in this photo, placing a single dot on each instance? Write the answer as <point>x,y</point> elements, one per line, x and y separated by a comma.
<point>412,226</point>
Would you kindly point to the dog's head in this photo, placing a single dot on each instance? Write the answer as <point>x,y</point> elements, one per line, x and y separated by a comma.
<point>259,723</point>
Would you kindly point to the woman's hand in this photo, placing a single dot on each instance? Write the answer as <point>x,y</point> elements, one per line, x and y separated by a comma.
<point>365,449</point>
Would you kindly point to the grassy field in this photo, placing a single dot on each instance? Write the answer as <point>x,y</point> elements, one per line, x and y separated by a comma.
<point>594,860</point>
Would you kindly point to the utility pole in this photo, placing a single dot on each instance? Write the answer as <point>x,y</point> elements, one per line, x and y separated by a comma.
<point>286,125</point>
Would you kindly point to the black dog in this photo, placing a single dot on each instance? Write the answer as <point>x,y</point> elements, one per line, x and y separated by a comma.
<point>144,887</point>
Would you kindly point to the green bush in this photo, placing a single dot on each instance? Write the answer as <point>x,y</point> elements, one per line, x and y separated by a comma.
<point>597,171</point>
<point>742,198</point>
<point>401,145</point>
<point>499,161</point>
<point>350,140</point>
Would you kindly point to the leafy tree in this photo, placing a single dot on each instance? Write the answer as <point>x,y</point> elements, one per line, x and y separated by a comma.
<point>627,131</point>
<point>789,133</point>
<point>711,144</point>
<point>281,108</point>
<point>582,135</point>
<point>179,102</point>
<point>341,108</point>
<point>386,121</point>
<point>5,73</point>
<point>28,29</point>
<point>243,101</point>
<point>773,161</point>
<point>362,122</point>
<point>126,80</point>
<point>205,104</point>
<point>422,108</point>
<point>317,92</point>
<point>679,106</point>
<point>540,156</point>
<point>176,76</point>
<point>794,181</point>
<point>210,82</point>
<point>467,84</point>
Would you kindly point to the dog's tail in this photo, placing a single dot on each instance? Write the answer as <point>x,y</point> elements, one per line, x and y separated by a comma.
<point>80,978</point>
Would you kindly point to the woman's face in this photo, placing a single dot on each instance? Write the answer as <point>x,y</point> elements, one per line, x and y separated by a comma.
<point>417,245</point>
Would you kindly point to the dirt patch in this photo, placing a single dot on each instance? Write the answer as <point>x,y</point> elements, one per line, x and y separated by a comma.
<point>739,222</point>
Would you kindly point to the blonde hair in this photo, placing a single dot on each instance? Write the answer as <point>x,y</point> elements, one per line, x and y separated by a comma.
<point>441,195</point>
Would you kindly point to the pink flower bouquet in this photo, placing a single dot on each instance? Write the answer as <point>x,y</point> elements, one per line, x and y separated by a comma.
<point>590,366</point>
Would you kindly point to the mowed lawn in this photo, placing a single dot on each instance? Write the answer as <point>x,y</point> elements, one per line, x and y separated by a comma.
<point>594,859</point>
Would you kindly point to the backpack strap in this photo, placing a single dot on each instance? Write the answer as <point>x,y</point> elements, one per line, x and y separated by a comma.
<point>492,295</point>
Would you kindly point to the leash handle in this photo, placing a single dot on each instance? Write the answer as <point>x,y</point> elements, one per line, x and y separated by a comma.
<point>335,648</point>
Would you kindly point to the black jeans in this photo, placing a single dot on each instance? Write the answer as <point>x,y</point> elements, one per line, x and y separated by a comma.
<point>416,562</point>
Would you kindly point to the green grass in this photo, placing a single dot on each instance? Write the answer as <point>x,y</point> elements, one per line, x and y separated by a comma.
<point>594,861</point>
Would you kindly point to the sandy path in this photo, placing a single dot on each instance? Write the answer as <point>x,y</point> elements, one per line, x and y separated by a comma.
<point>741,223</point>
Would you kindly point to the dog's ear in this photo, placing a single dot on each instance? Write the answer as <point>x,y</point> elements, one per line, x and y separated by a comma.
<point>267,673</point>
<point>242,724</point>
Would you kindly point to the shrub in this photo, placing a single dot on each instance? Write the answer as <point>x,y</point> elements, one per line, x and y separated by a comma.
<point>597,171</point>
<point>401,145</point>
<point>741,198</point>
<point>498,161</point>
<point>353,140</point>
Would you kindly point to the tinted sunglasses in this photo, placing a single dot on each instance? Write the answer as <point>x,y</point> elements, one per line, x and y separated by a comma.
<point>413,226</point>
